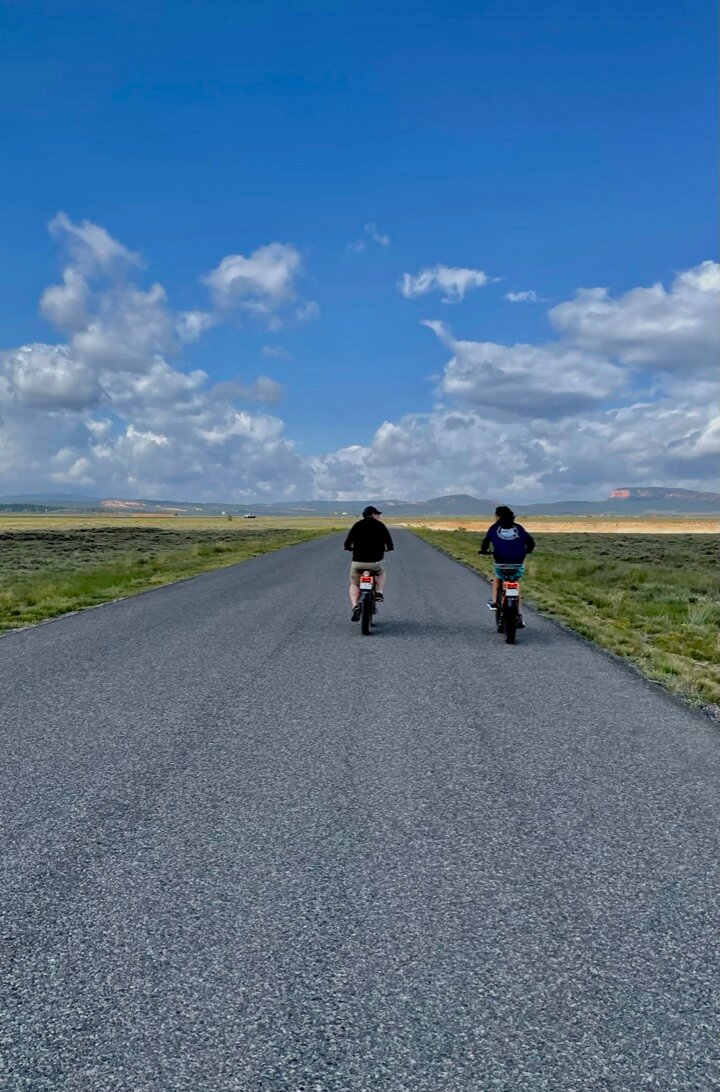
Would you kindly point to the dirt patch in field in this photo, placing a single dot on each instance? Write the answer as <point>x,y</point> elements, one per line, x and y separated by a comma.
<point>580,526</point>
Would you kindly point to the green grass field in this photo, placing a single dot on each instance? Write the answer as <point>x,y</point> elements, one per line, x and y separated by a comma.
<point>55,565</point>
<point>652,599</point>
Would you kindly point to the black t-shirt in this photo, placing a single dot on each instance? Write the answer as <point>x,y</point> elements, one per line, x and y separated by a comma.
<point>368,539</point>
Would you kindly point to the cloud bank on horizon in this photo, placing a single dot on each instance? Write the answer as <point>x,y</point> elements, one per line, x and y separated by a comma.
<point>624,390</point>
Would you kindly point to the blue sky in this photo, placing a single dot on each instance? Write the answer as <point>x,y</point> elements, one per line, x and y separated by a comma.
<point>552,148</point>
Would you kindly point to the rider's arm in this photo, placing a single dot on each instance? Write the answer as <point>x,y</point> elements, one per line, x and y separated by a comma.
<point>485,545</point>
<point>529,542</point>
<point>348,545</point>
<point>389,545</point>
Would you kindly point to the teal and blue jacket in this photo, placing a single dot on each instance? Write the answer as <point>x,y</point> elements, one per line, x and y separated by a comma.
<point>510,545</point>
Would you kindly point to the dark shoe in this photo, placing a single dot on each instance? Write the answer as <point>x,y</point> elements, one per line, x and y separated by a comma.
<point>520,623</point>
<point>491,605</point>
<point>356,612</point>
<point>379,597</point>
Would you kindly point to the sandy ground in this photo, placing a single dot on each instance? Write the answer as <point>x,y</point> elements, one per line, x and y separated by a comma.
<point>588,525</point>
<point>661,525</point>
<point>39,522</point>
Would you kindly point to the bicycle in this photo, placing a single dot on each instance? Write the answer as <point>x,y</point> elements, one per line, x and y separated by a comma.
<point>507,612</point>
<point>367,602</point>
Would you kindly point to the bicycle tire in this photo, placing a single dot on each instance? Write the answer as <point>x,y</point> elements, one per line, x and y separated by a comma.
<point>511,616</point>
<point>366,614</point>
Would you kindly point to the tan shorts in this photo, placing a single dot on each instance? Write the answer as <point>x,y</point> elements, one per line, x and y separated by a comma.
<point>358,567</point>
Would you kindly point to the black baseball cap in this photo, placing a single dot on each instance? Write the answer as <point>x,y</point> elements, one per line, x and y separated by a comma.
<point>370,511</point>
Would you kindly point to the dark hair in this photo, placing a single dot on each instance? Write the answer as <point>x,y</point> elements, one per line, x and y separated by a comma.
<point>505,515</point>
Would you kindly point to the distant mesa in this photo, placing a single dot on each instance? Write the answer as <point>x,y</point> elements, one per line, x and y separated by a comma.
<point>653,493</point>
<point>635,501</point>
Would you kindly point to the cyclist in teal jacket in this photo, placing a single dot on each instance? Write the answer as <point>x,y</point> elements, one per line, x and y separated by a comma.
<point>511,543</point>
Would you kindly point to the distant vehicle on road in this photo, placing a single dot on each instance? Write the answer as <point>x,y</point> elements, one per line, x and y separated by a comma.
<point>249,515</point>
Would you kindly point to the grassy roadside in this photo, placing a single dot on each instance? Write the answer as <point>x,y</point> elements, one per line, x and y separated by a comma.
<point>652,599</point>
<point>45,572</point>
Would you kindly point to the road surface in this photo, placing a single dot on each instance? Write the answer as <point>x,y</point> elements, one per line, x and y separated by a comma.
<point>246,848</point>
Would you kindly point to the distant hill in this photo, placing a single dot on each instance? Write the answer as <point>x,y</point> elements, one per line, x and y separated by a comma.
<point>460,504</point>
<point>635,501</point>
<point>64,500</point>
<point>629,501</point>
<point>456,504</point>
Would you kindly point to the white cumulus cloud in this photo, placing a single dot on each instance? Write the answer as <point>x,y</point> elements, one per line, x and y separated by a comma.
<point>92,248</point>
<point>49,377</point>
<point>526,380</point>
<point>107,408</point>
<point>262,389</point>
<point>530,296</point>
<point>260,282</point>
<point>453,283</point>
<point>378,237</point>
<point>191,325</point>
<point>668,329</point>
<point>308,311</point>
<point>359,246</point>
<point>63,305</point>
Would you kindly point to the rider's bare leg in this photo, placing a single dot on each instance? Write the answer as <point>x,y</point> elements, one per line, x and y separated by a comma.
<point>354,594</point>
<point>379,581</point>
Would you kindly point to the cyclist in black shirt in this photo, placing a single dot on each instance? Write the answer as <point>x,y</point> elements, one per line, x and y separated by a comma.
<point>368,539</point>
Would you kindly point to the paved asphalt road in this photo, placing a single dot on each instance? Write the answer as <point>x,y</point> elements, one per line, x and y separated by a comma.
<point>246,848</point>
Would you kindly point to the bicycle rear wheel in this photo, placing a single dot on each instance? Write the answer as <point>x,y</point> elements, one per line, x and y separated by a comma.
<point>510,616</point>
<point>499,620</point>
<point>366,612</point>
